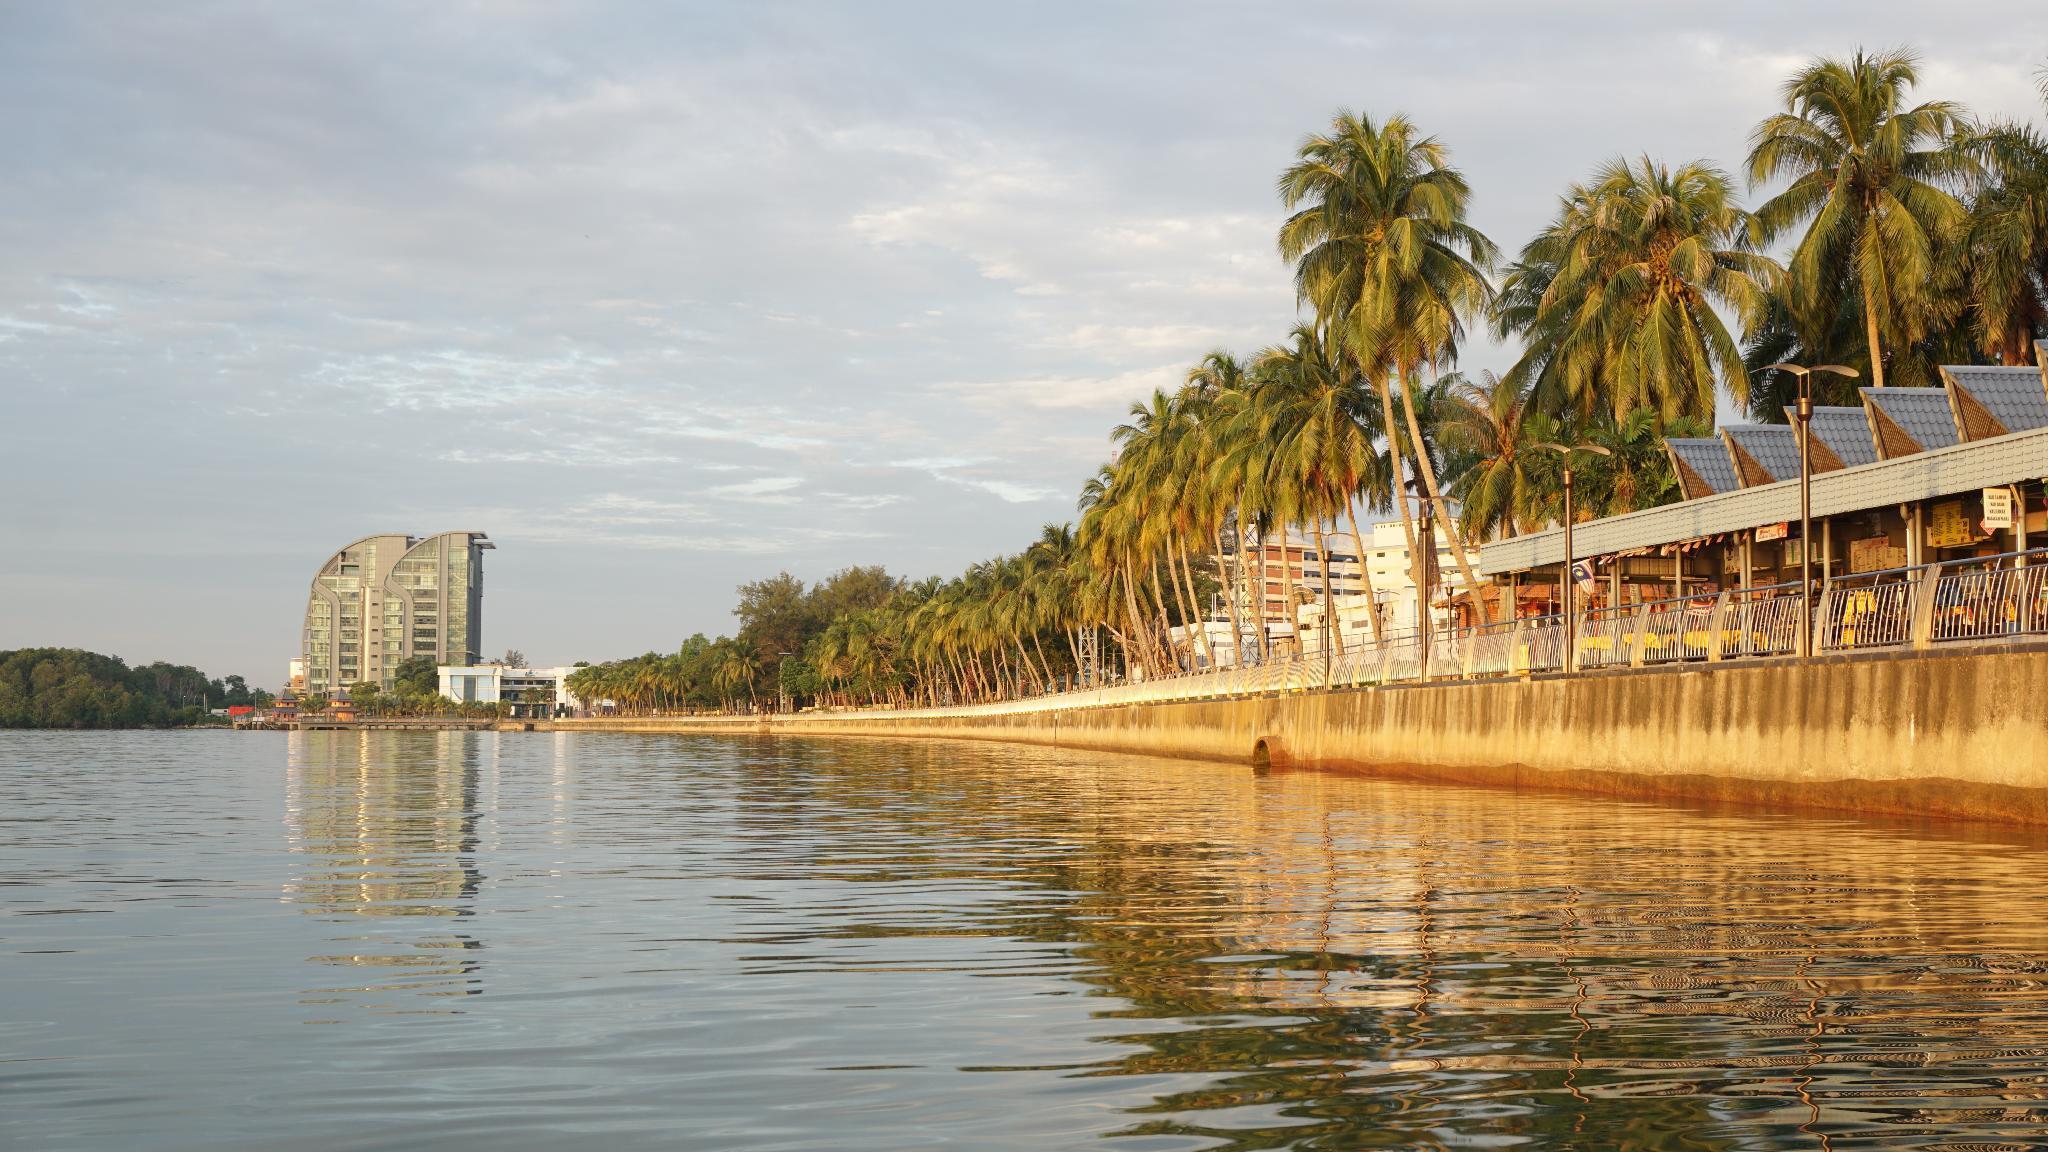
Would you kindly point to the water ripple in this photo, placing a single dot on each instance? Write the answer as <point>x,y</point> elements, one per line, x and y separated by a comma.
<point>329,940</point>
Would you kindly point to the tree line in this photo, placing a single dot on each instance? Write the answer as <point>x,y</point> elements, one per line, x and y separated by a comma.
<point>72,688</point>
<point>1914,234</point>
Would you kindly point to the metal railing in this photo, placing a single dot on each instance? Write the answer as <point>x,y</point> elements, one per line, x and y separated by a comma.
<point>1982,598</point>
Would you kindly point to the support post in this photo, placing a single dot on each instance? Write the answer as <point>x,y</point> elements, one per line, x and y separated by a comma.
<point>1639,636</point>
<point>1821,616</point>
<point>1717,625</point>
<point>1923,607</point>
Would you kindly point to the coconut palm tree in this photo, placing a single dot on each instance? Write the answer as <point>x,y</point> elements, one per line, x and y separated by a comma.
<point>1321,415</point>
<point>2009,243</point>
<point>1872,183</point>
<point>1618,300</point>
<point>1382,250</point>
<point>1490,422</point>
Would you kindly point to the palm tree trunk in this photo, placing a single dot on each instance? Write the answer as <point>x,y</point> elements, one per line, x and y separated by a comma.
<point>1139,638</point>
<point>1418,565</point>
<point>1330,629</point>
<point>1159,600</point>
<point>1259,595</point>
<point>1415,563</point>
<point>1870,334</point>
<point>1236,616</point>
<point>1173,579</point>
<point>1200,619</point>
<point>1436,504</point>
<point>1287,586</point>
<point>1372,599</point>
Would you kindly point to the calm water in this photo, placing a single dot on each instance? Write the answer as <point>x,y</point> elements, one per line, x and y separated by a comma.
<point>324,940</point>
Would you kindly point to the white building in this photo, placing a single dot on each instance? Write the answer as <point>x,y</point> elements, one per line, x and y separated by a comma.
<point>1386,563</point>
<point>533,693</point>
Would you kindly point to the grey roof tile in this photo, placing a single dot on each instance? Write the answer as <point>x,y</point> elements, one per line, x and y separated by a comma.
<point>1708,460</point>
<point>1921,476</point>
<point>1922,413</point>
<point>1773,446</point>
<point>1844,432</point>
<point>2015,397</point>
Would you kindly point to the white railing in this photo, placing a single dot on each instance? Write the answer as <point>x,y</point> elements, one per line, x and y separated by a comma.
<point>1964,600</point>
<point>1988,598</point>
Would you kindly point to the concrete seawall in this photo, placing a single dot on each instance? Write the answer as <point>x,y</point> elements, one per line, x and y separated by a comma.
<point>1960,733</point>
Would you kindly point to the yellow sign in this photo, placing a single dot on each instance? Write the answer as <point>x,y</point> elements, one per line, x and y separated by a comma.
<point>1948,526</point>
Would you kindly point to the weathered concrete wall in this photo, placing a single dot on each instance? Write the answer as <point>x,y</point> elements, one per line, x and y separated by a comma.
<point>1957,733</point>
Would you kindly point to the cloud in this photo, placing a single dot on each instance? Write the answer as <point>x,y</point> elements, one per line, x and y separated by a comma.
<point>672,296</point>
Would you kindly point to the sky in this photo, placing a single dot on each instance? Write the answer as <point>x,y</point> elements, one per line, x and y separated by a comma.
<point>667,297</point>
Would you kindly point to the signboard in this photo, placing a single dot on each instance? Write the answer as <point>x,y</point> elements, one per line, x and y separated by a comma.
<point>1771,532</point>
<point>1949,527</point>
<point>1997,509</point>
<point>1877,554</point>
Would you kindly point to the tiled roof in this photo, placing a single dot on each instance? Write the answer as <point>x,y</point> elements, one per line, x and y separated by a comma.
<point>1922,476</point>
<point>2015,399</point>
<point>1843,433</point>
<point>1923,414</point>
<point>1703,467</point>
<point>1772,448</point>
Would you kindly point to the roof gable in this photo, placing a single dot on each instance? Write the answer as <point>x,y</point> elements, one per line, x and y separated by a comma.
<point>1703,467</point>
<point>1910,420</point>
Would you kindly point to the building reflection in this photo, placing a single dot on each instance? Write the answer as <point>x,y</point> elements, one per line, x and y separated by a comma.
<point>387,825</point>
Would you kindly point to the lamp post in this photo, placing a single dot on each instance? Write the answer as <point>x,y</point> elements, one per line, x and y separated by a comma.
<point>1571,622</point>
<point>1803,417</point>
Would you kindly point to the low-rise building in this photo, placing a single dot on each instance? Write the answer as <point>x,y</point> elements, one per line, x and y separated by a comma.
<point>529,693</point>
<point>1909,477</point>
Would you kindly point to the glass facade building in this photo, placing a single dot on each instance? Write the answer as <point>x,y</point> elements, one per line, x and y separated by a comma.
<point>385,599</point>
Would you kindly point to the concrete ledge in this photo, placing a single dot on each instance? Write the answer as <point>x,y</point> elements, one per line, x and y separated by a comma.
<point>1954,733</point>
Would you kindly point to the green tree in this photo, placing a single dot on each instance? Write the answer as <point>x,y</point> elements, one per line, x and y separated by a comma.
<point>364,695</point>
<point>1872,182</point>
<point>416,676</point>
<point>1619,298</point>
<point>2009,243</point>
<point>1382,250</point>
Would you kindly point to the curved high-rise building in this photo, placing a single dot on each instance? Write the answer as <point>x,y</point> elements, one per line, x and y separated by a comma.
<point>386,598</point>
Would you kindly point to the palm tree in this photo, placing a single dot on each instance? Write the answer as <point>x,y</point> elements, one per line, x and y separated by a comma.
<point>1491,422</point>
<point>1617,299</point>
<point>2009,243</point>
<point>1870,180</point>
<point>1382,250</point>
<point>1321,415</point>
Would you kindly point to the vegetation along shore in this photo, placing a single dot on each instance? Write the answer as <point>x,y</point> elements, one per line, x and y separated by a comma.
<point>1912,233</point>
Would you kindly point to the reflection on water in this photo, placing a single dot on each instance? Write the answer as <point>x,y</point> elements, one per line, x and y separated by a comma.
<point>551,940</point>
<point>392,829</point>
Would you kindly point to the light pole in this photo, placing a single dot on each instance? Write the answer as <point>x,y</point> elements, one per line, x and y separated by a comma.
<point>1571,622</point>
<point>1803,417</point>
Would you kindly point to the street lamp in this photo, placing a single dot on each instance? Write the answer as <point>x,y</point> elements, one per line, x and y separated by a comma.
<point>1571,623</point>
<point>1803,417</point>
